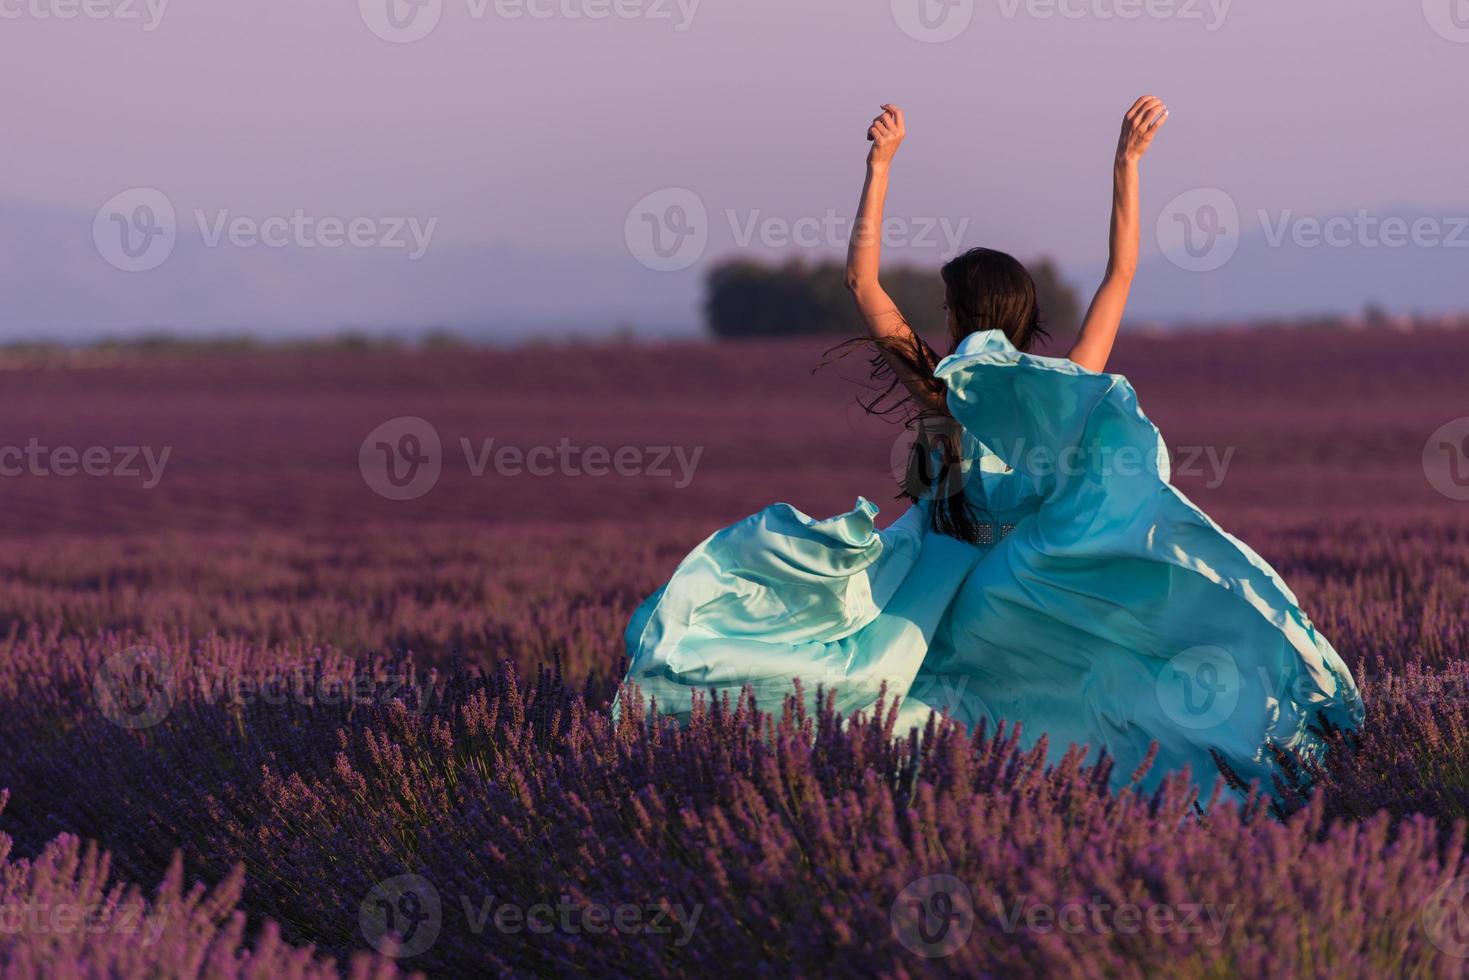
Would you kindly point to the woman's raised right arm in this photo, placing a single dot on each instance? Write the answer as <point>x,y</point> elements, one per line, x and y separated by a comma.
<point>887,325</point>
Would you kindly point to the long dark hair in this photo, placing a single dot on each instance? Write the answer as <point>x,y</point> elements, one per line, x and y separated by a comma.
<point>983,290</point>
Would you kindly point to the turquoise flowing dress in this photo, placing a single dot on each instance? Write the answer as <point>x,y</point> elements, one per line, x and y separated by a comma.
<point>1102,609</point>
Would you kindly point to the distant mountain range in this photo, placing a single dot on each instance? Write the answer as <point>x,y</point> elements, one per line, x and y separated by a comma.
<point>56,284</point>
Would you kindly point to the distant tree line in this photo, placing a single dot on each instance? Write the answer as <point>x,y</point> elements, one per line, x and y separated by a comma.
<point>745,298</point>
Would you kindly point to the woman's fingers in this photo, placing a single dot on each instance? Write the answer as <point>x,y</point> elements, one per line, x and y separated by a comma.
<point>1139,125</point>
<point>1149,106</point>
<point>887,128</point>
<point>1145,116</point>
<point>1141,115</point>
<point>1139,106</point>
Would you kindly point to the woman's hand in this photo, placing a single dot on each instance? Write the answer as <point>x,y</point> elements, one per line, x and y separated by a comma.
<point>886,134</point>
<point>1139,126</point>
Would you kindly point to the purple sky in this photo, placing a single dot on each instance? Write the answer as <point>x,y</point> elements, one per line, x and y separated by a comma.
<point>540,133</point>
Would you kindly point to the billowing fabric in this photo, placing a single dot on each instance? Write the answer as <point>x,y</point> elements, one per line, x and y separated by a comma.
<point>1107,610</point>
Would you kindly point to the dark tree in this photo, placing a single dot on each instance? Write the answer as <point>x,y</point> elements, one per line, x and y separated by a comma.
<point>746,298</point>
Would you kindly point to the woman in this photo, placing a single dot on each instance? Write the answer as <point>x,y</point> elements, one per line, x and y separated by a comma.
<point>1047,573</point>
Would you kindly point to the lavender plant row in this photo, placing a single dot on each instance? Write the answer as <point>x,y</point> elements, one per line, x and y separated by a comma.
<point>514,828</point>
<point>64,916</point>
<point>1387,591</point>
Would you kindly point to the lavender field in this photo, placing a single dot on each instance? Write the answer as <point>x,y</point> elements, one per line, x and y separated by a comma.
<point>272,704</point>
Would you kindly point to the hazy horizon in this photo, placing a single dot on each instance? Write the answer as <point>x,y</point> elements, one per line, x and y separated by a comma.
<point>519,154</point>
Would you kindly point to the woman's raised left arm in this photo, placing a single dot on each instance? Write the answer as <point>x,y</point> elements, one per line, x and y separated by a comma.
<point>1099,330</point>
